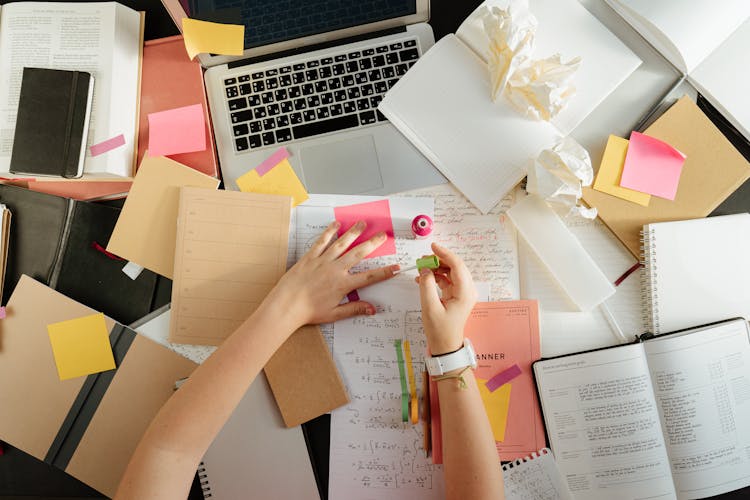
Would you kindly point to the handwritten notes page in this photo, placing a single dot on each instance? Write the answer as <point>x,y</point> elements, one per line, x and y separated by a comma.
<point>564,329</point>
<point>486,243</point>
<point>231,251</point>
<point>373,454</point>
<point>535,477</point>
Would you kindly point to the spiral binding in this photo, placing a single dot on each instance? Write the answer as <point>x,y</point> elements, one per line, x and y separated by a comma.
<point>649,282</point>
<point>520,461</point>
<point>203,478</point>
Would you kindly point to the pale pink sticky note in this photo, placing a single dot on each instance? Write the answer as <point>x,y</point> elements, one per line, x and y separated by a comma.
<point>175,131</point>
<point>277,157</point>
<point>377,215</point>
<point>652,166</point>
<point>108,145</point>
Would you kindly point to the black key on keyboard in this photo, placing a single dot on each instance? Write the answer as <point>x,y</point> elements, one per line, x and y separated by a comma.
<point>381,87</point>
<point>255,127</point>
<point>392,82</point>
<point>322,113</point>
<point>313,64</point>
<point>255,141</point>
<point>367,89</point>
<point>282,121</point>
<point>272,72</point>
<point>241,144</point>
<point>285,80</point>
<point>308,115</point>
<point>298,66</point>
<point>355,55</point>
<point>300,104</point>
<point>336,109</point>
<point>242,116</point>
<point>334,83</point>
<point>374,75</point>
<point>285,69</point>
<point>253,100</point>
<point>391,58</point>
<point>325,72</point>
<point>286,107</point>
<point>267,97</point>
<point>378,61</point>
<point>259,113</point>
<point>401,69</point>
<point>388,72</point>
<point>245,89</point>
<point>381,49</point>
<point>360,78</point>
<point>410,43</point>
<point>280,95</point>
<point>295,118</point>
<point>258,86</point>
<point>235,104</point>
<point>409,54</point>
<point>311,75</point>
<point>368,52</point>
<point>363,104</point>
<point>272,83</point>
<point>326,98</point>
<point>231,92</point>
<point>396,46</point>
<point>283,135</point>
<point>308,89</point>
<point>365,63</point>
<point>348,80</point>
<point>273,109</point>
<point>244,78</point>
<point>381,116</point>
<point>240,129</point>
<point>298,78</point>
<point>268,138</point>
<point>294,92</point>
<point>321,86</point>
<point>339,95</point>
<point>313,101</point>
<point>367,117</point>
<point>352,67</point>
<point>257,76</point>
<point>229,81</point>
<point>326,60</point>
<point>322,127</point>
<point>339,69</point>
<point>269,124</point>
<point>353,92</point>
<point>340,57</point>
<point>350,107</point>
<point>375,100</point>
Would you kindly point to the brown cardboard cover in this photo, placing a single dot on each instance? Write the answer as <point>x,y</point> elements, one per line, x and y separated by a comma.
<point>713,170</point>
<point>303,377</point>
<point>143,383</point>
<point>230,252</point>
<point>145,232</point>
<point>34,400</point>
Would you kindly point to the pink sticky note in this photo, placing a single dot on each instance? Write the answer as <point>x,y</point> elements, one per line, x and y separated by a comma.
<point>277,157</point>
<point>108,145</point>
<point>503,378</point>
<point>652,166</point>
<point>175,131</point>
<point>377,215</point>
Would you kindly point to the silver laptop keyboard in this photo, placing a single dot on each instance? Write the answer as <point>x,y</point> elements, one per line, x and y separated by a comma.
<point>318,96</point>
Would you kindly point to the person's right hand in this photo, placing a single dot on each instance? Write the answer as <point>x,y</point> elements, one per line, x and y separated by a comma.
<point>444,319</point>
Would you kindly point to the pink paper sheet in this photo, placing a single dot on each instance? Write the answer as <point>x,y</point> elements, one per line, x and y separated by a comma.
<point>652,166</point>
<point>175,131</point>
<point>377,215</point>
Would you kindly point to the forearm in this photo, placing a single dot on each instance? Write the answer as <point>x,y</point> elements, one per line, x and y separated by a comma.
<point>472,469</point>
<point>186,425</point>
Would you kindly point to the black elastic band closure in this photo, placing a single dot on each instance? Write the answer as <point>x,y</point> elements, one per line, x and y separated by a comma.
<point>87,402</point>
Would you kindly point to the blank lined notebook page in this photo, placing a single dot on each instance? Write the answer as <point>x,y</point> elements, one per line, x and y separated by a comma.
<point>231,250</point>
<point>697,272</point>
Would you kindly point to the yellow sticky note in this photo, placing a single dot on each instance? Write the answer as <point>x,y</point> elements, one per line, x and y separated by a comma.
<point>280,179</point>
<point>496,405</point>
<point>610,171</point>
<point>81,346</point>
<point>213,38</point>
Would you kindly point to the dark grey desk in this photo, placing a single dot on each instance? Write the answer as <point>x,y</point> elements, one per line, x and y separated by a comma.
<point>23,476</point>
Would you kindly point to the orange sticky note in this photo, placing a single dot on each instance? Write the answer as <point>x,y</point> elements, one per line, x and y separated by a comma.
<point>81,346</point>
<point>377,215</point>
<point>652,166</point>
<point>175,131</point>
<point>610,171</point>
<point>212,38</point>
<point>496,404</point>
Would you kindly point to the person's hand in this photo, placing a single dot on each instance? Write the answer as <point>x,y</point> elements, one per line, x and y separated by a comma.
<point>311,291</point>
<point>444,319</point>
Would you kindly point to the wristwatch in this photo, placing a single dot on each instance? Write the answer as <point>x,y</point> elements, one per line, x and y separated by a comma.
<point>439,365</point>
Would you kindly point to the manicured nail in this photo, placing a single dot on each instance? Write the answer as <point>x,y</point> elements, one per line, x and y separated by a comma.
<point>380,235</point>
<point>424,271</point>
<point>336,224</point>
<point>360,225</point>
<point>370,311</point>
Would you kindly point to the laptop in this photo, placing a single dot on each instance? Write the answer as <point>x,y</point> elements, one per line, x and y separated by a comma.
<point>310,79</point>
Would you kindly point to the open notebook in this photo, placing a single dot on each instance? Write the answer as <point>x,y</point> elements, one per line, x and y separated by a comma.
<point>482,146</point>
<point>705,39</point>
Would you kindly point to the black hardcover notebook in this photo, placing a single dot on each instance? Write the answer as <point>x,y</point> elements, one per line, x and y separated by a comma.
<point>60,242</point>
<point>52,122</point>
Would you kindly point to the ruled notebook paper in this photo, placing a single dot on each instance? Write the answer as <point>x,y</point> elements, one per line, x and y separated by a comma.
<point>231,250</point>
<point>535,477</point>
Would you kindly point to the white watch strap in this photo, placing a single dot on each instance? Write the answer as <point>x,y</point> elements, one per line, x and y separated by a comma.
<point>438,365</point>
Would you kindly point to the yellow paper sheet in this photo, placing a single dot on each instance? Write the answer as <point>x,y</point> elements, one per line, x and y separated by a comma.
<point>281,179</point>
<point>81,346</point>
<point>496,405</point>
<point>231,250</point>
<point>610,171</point>
<point>214,38</point>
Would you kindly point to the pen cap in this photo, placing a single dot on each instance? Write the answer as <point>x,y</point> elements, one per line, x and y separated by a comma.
<point>429,262</point>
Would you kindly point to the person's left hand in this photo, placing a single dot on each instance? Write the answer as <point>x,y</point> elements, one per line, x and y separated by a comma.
<point>314,287</point>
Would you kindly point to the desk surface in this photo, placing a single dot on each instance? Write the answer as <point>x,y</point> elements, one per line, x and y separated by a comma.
<point>22,475</point>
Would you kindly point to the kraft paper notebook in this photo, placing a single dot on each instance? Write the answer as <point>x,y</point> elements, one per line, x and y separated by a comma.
<point>145,232</point>
<point>87,426</point>
<point>712,171</point>
<point>665,417</point>
<point>696,272</point>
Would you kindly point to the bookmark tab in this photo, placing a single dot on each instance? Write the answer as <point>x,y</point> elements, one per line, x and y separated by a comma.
<point>503,378</point>
<point>108,145</point>
<point>413,402</point>
<point>402,377</point>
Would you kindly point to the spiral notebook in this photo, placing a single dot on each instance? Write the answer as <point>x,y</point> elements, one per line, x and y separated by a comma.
<point>535,477</point>
<point>696,272</point>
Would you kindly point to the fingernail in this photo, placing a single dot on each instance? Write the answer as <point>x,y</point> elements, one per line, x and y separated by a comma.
<point>381,234</point>
<point>370,311</point>
<point>395,267</point>
<point>359,225</point>
<point>424,271</point>
<point>336,224</point>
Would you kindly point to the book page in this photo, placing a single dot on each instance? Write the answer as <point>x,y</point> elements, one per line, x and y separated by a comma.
<point>565,328</point>
<point>702,386</point>
<point>603,424</point>
<point>93,37</point>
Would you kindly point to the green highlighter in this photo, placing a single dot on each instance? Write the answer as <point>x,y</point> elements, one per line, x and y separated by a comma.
<point>429,262</point>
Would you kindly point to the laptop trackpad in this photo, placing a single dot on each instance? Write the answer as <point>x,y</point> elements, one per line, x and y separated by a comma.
<point>345,167</point>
